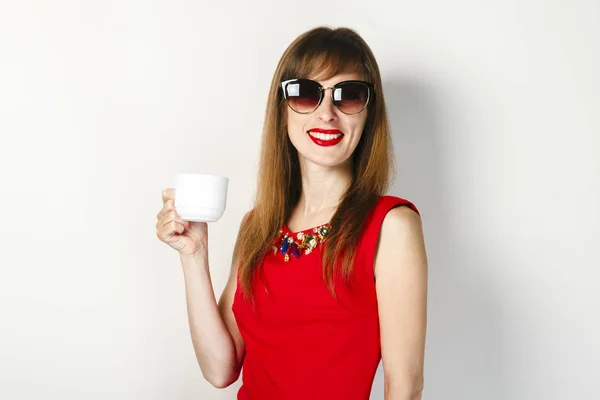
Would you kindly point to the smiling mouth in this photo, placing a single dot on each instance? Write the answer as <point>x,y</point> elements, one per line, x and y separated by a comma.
<point>326,139</point>
<point>325,136</point>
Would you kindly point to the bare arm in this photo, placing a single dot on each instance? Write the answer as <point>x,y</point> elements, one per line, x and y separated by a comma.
<point>401,270</point>
<point>217,342</point>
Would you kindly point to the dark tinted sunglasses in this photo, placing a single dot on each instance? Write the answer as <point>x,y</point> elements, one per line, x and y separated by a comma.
<point>304,95</point>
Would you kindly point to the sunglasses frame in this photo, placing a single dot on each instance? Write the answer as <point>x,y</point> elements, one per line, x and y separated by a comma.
<point>322,89</point>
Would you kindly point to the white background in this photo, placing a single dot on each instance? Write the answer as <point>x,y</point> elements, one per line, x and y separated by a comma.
<point>495,110</point>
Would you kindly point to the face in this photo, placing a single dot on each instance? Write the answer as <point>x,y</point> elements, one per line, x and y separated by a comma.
<point>339,133</point>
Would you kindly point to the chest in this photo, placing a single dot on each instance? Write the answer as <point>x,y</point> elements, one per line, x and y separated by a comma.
<point>295,292</point>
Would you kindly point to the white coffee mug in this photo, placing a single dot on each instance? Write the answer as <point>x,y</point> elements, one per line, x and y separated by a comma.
<point>200,197</point>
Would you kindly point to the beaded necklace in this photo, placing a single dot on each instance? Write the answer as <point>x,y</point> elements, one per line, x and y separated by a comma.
<point>294,244</point>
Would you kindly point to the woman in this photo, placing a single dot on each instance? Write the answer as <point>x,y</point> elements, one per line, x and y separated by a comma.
<point>329,275</point>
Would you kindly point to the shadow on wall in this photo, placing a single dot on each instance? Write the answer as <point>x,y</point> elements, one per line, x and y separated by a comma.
<point>463,356</point>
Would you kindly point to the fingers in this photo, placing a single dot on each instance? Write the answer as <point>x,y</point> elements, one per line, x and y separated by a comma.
<point>171,216</point>
<point>170,224</point>
<point>169,205</point>
<point>169,230</point>
<point>168,194</point>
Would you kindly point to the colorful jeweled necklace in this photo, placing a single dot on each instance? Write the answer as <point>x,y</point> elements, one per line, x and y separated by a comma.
<point>295,244</point>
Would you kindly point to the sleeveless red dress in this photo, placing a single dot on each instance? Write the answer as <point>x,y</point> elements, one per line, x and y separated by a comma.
<point>303,344</point>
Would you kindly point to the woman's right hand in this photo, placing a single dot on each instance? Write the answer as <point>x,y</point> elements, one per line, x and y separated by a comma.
<point>184,236</point>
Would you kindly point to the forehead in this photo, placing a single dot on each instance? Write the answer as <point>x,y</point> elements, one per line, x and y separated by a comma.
<point>330,81</point>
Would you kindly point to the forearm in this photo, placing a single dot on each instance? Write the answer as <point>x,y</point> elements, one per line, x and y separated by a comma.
<point>412,391</point>
<point>213,345</point>
<point>411,396</point>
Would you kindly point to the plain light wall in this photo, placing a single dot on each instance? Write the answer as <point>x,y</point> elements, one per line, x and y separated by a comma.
<point>495,112</point>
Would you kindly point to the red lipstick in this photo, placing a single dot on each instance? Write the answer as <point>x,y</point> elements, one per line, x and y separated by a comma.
<point>326,142</point>
<point>331,131</point>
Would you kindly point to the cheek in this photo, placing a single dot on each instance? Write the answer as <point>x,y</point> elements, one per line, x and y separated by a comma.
<point>360,127</point>
<point>295,124</point>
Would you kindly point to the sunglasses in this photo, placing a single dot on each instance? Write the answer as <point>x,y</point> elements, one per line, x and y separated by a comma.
<point>304,95</point>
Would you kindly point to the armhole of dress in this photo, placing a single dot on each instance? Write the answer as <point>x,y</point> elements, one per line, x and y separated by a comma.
<point>385,205</point>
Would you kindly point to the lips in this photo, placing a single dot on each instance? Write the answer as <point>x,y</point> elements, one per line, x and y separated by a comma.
<point>325,137</point>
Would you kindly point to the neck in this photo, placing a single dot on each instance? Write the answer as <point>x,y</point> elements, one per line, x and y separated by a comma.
<point>322,187</point>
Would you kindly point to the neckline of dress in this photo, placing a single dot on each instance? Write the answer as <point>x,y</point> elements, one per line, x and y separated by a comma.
<point>311,230</point>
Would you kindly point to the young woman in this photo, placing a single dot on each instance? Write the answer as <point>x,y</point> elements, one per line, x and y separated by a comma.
<point>329,274</point>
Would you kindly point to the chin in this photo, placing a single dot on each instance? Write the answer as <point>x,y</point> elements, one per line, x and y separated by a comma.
<point>329,162</point>
<point>326,157</point>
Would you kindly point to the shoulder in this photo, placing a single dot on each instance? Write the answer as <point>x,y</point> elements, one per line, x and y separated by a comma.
<point>400,222</point>
<point>247,217</point>
<point>392,214</point>
<point>401,240</point>
<point>401,218</point>
<point>390,218</point>
<point>387,203</point>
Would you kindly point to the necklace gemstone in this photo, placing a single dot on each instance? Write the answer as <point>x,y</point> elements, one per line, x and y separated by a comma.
<point>288,243</point>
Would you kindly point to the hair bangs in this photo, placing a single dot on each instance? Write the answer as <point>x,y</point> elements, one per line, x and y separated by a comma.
<point>323,57</point>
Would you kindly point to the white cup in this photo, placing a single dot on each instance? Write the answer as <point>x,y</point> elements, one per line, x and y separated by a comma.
<point>200,197</point>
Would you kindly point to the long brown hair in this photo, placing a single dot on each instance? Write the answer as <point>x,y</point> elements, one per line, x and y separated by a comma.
<point>328,52</point>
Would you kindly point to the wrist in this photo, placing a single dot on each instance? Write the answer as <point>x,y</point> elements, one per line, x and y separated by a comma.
<point>199,255</point>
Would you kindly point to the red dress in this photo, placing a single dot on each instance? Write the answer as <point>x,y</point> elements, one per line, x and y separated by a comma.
<point>303,344</point>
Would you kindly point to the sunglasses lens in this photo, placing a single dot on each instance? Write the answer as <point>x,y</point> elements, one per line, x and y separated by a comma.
<point>351,97</point>
<point>302,95</point>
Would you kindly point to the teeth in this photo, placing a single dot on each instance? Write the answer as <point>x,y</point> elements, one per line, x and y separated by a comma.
<point>324,136</point>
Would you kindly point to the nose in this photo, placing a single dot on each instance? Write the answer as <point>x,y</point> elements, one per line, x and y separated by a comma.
<point>327,110</point>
